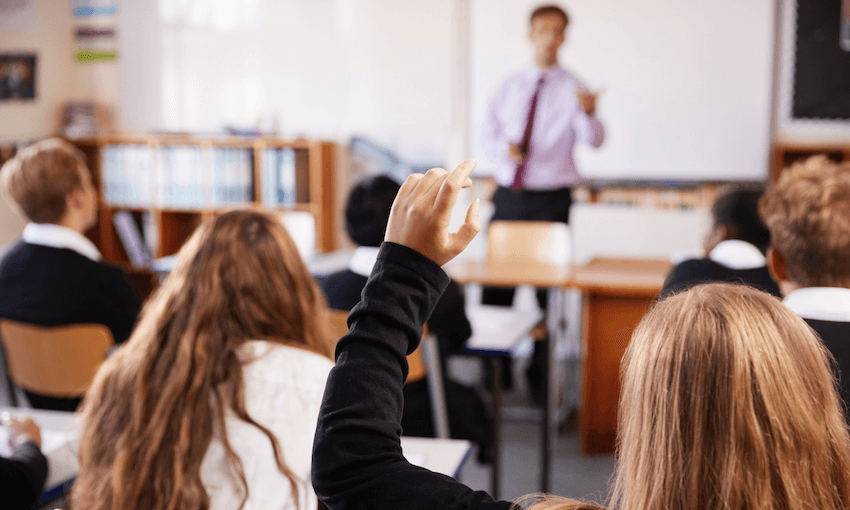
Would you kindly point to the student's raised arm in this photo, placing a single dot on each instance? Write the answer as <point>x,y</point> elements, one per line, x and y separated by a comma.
<point>357,458</point>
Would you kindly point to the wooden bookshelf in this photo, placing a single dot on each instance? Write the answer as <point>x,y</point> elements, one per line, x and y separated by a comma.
<point>172,224</point>
<point>784,153</point>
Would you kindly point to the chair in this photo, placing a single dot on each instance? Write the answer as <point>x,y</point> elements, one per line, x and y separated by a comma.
<point>529,247</point>
<point>422,362</point>
<point>57,361</point>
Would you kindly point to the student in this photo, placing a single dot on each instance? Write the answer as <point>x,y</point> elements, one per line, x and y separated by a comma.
<point>727,398</point>
<point>22,474</point>
<point>367,210</point>
<point>808,214</point>
<point>55,275</point>
<point>213,401</point>
<point>735,247</point>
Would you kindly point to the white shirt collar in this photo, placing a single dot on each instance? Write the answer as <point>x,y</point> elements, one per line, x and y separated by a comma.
<point>363,260</point>
<point>820,303</point>
<point>737,254</point>
<point>57,236</point>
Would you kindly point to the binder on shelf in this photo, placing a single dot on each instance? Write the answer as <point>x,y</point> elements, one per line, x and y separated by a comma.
<point>270,177</point>
<point>287,176</point>
<point>131,238</point>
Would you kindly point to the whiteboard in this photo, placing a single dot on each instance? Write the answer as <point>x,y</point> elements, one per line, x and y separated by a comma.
<point>686,85</point>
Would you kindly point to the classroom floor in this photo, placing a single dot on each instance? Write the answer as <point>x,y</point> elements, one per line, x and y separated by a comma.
<point>573,475</point>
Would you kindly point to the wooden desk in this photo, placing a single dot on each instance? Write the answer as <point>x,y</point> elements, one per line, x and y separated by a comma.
<point>617,294</point>
<point>508,275</point>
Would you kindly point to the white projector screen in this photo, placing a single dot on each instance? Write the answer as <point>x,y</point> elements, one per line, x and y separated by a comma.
<point>685,86</point>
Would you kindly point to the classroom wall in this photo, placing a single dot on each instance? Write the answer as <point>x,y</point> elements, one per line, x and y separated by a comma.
<point>46,30</point>
<point>45,27</point>
<point>321,69</point>
<point>398,72</point>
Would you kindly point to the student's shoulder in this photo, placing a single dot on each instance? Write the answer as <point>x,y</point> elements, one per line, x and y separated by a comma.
<point>688,273</point>
<point>27,256</point>
<point>689,266</point>
<point>273,360</point>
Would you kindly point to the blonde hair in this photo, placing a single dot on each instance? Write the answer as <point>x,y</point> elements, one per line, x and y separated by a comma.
<point>41,176</point>
<point>727,403</point>
<point>808,214</point>
<point>156,404</point>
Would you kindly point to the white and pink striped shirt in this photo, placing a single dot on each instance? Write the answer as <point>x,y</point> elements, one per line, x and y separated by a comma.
<point>559,122</point>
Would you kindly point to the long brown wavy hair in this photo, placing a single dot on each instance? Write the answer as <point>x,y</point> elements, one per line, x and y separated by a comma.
<point>157,403</point>
<point>727,403</point>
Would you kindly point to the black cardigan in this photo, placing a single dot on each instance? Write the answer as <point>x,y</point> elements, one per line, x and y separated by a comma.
<point>357,459</point>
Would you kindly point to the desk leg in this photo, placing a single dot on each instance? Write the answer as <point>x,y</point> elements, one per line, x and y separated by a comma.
<point>496,468</point>
<point>546,447</point>
<point>555,310</point>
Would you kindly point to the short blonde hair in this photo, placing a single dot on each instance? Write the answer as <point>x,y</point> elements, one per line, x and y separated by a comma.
<point>41,176</point>
<point>728,402</point>
<point>808,214</point>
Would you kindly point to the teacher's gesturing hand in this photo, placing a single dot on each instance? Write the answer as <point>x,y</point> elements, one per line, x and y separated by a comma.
<point>423,208</point>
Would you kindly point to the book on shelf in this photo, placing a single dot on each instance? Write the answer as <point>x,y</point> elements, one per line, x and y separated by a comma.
<point>131,238</point>
<point>176,176</point>
<point>279,177</point>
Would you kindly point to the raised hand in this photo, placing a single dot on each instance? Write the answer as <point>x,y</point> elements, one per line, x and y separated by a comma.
<point>423,208</point>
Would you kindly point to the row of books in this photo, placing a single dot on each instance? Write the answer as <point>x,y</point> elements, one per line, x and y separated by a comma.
<point>701,197</point>
<point>192,177</point>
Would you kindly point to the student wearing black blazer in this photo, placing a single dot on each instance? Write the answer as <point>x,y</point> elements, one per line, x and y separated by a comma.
<point>735,248</point>
<point>54,275</point>
<point>808,214</point>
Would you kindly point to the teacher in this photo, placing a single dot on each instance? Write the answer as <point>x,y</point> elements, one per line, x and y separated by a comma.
<point>533,122</point>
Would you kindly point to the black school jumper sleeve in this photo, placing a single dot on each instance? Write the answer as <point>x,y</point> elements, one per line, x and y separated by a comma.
<point>357,458</point>
<point>22,476</point>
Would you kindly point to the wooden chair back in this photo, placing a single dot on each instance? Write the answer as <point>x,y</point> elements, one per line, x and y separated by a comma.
<point>58,361</point>
<point>536,242</point>
<point>415,360</point>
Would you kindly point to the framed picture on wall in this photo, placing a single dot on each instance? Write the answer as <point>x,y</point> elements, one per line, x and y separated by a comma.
<point>17,76</point>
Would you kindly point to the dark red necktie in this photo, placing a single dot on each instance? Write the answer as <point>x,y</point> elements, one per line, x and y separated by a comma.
<point>526,137</point>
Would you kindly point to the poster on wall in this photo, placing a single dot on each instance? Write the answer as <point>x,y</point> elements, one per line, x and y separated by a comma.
<point>86,8</point>
<point>17,77</point>
<point>94,44</point>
